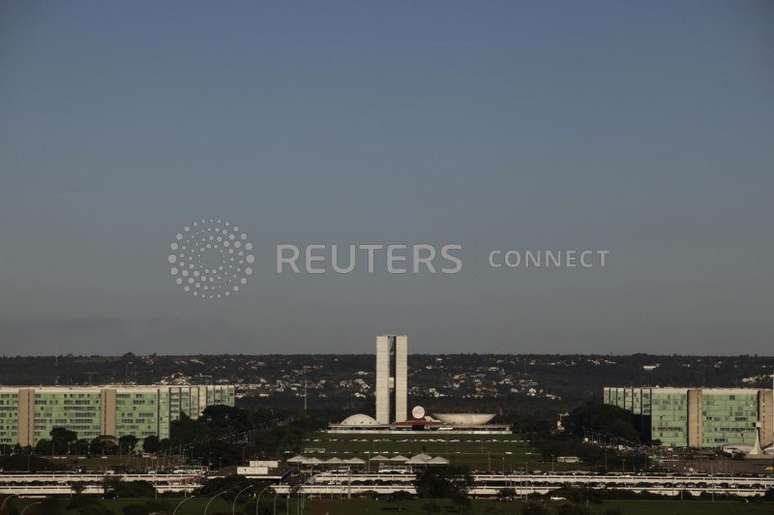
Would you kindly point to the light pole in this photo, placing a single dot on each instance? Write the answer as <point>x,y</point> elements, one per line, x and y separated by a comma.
<point>276,494</point>
<point>305,390</point>
<point>258,499</point>
<point>28,507</point>
<point>302,493</point>
<point>2,506</point>
<point>236,497</point>
<point>181,503</point>
<point>207,506</point>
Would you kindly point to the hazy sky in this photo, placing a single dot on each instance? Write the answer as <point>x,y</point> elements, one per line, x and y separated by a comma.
<point>645,128</point>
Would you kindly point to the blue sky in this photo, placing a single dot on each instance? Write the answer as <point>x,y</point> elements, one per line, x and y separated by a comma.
<point>643,128</point>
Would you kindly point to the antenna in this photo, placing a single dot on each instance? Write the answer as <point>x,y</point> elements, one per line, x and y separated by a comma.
<point>305,390</point>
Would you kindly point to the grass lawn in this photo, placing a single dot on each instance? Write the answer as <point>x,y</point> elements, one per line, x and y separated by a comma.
<point>166,505</point>
<point>480,452</point>
<point>423,506</point>
<point>657,507</point>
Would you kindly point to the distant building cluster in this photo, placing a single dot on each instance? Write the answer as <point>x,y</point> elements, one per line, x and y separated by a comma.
<point>28,414</point>
<point>392,401</point>
<point>700,417</point>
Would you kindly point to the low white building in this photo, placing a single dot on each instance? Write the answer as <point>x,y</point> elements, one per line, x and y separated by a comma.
<point>259,469</point>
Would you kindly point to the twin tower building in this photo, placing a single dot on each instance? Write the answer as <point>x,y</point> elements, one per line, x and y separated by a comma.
<point>391,379</point>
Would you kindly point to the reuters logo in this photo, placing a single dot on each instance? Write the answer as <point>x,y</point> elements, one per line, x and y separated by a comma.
<point>211,259</point>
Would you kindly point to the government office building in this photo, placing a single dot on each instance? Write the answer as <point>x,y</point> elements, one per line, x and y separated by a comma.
<point>29,413</point>
<point>699,417</point>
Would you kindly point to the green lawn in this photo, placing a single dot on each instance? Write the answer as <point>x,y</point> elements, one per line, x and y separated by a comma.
<point>481,452</point>
<point>166,505</point>
<point>478,507</point>
<point>658,507</point>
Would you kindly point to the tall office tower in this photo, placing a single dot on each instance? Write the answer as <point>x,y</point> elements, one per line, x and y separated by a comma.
<point>383,379</point>
<point>391,378</point>
<point>401,378</point>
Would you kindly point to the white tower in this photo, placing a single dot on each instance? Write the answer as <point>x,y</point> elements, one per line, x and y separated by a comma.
<point>391,379</point>
<point>382,379</point>
<point>401,378</point>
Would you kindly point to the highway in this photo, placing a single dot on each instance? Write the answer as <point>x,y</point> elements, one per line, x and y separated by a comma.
<point>488,485</point>
<point>60,483</point>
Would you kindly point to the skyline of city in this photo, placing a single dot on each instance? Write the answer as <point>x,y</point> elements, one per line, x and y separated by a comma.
<point>220,223</point>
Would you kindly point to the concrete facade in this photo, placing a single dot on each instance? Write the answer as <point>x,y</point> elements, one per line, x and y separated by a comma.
<point>25,417</point>
<point>401,378</point>
<point>382,380</point>
<point>695,419</point>
<point>108,411</point>
<point>766,412</point>
<point>391,379</point>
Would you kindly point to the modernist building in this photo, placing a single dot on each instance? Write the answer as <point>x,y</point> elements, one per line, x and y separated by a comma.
<point>700,417</point>
<point>392,414</point>
<point>28,414</point>
<point>391,379</point>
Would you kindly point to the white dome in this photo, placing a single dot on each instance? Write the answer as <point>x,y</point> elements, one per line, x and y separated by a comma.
<point>464,419</point>
<point>359,419</point>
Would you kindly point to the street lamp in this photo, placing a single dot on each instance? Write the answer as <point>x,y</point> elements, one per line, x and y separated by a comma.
<point>2,505</point>
<point>236,497</point>
<point>181,503</point>
<point>276,494</point>
<point>207,506</point>
<point>258,499</point>
<point>28,507</point>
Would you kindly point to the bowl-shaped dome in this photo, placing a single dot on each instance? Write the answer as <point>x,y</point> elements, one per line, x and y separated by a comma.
<point>359,419</point>
<point>464,419</point>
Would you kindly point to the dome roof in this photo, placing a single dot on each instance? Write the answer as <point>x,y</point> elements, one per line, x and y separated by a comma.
<point>465,419</point>
<point>359,419</point>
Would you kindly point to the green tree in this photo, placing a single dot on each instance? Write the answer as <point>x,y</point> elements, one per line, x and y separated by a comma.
<point>44,446</point>
<point>104,445</point>
<point>447,482</point>
<point>611,421</point>
<point>82,446</point>
<point>62,439</point>
<point>151,444</point>
<point>110,486</point>
<point>127,443</point>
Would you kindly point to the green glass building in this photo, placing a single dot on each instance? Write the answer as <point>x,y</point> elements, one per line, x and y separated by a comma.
<point>699,417</point>
<point>28,414</point>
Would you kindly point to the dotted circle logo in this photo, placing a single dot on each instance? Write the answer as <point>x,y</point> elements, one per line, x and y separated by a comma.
<point>211,259</point>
